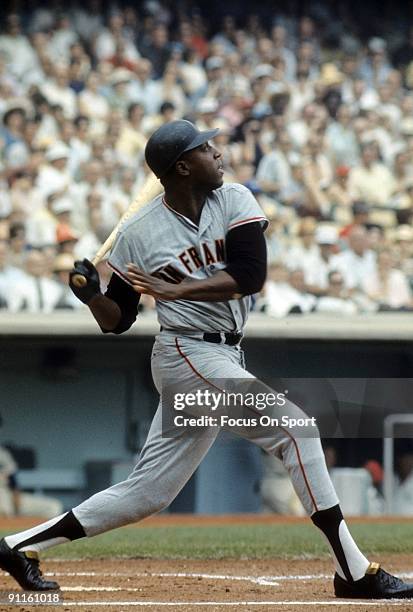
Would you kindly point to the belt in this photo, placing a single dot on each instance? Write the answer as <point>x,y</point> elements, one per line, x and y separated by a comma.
<point>230,338</point>
<point>223,338</point>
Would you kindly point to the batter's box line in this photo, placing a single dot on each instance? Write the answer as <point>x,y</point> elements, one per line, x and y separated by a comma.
<point>260,580</point>
<point>200,604</point>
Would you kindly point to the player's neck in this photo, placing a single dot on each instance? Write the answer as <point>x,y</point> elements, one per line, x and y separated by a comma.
<point>185,201</point>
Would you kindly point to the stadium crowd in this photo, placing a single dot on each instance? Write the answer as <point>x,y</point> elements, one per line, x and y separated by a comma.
<point>322,135</point>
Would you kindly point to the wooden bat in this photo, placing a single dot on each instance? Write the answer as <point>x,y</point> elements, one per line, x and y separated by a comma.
<point>151,188</point>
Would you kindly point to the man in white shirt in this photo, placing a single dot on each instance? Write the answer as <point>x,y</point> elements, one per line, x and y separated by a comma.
<point>20,57</point>
<point>35,292</point>
<point>54,176</point>
<point>371,181</point>
<point>336,301</point>
<point>317,274</point>
<point>58,91</point>
<point>274,172</point>
<point>143,89</point>
<point>358,262</point>
<point>9,275</point>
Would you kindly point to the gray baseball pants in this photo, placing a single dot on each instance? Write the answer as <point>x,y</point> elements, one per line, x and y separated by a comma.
<point>166,463</point>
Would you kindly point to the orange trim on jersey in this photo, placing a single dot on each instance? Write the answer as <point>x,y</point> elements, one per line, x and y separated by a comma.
<point>119,273</point>
<point>294,441</point>
<point>247,221</point>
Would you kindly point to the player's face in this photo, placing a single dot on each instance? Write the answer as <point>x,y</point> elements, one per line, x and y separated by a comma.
<point>206,167</point>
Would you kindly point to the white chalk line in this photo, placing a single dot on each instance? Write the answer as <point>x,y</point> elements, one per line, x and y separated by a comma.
<point>194,604</point>
<point>261,580</point>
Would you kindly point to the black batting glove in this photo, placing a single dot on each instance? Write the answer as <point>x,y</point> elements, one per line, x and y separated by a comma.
<point>92,287</point>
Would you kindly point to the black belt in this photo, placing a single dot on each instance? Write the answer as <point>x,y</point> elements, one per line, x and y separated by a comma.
<point>224,338</point>
<point>229,338</point>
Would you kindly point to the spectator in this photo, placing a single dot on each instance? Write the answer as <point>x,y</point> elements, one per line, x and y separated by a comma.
<point>62,265</point>
<point>35,292</point>
<point>357,263</point>
<point>91,241</point>
<point>9,275</point>
<point>375,67</point>
<point>306,252</point>
<point>93,104</point>
<point>142,88</point>
<point>62,38</point>
<point>341,139</point>
<point>317,177</point>
<point>371,181</point>
<point>388,287</point>
<point>91,179</point>
<point>62,208</point>
<point>157,49</point>
<point>119,94</point>
<point>107,38</point>
<point>18,245</point>
<point>336,300</point>
<point>125,192</point>
<point>273,172</point>
<point>339,193</point>
<point>361,216</point>
<point>317,278</point>
<point>192,74</point>
<point>57,90</point>
<point>54,176</point>
<point>131,141</point>
<point>13,122</point>
<point>276,300</point>
<point>285,292</point>
<point>41,225</point>
<point>20,60</point>
<point>25,196</point>
<point>167,89</point>
<point>302,301</point>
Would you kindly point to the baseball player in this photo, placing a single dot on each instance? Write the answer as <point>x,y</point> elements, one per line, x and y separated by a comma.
<point>199,250</point>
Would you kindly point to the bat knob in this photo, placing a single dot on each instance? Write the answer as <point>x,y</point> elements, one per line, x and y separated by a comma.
<point>79,280</point>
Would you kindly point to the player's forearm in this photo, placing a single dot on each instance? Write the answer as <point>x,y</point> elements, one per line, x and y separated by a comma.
<point>217,288</point>
<point>106,312</point>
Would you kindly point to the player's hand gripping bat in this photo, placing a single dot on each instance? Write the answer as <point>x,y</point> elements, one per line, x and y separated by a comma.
<point>150,190</point>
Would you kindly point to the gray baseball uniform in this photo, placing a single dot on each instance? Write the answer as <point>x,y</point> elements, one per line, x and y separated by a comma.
<point>161,241</point>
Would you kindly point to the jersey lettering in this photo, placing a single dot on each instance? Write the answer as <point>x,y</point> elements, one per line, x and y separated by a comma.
<point>193,254</point>
<point>191,257</point>
<point>184,258</point>
<point>220,249</point>
<point>209,258</point>
<point>170,274</point>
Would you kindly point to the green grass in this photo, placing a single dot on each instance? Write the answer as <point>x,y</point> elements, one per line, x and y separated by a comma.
<point>248,541</point>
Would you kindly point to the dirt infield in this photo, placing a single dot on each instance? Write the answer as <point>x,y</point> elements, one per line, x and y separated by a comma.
<point>199,520</point>
<point>124,585</point>
<point>201,586</point>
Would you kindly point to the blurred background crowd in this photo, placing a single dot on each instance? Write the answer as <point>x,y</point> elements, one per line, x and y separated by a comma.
<point>315,109</point>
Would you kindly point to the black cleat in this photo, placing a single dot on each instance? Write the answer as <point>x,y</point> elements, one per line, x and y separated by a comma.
<point>24,567</point>
<point>376,584</point>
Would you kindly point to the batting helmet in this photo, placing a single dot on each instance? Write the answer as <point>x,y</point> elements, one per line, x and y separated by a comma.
<point>170,141</point>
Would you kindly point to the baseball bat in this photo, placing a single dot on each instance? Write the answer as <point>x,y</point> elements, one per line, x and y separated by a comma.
<point>151,188</point>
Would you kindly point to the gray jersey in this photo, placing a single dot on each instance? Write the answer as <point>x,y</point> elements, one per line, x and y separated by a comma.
<point>161,241</point>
